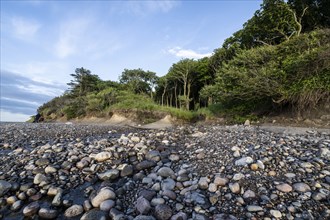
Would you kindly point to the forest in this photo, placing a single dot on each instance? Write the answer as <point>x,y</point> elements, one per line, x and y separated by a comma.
<point>278,62</point>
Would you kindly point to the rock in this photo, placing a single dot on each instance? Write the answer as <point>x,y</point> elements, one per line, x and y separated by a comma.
<point>247,122</point>
<point>17,205</point>
<point>104,194</point>
<point>234,188</point>
<point>42,162</point>
<point>284,187</point>
<point>324,153</point>
<point>73,211</point>
<point>102,156</point>
<point>109,175</point>
<point>203,183</point>
<point>276,213</point>
<point>301,187</point>
<point>157,201</point>
<point>168,184</point>
<point>31,209</point>
<point>48,213</point>
<point>174,157</point>
<point>126,170</point>
<point>249,194</point>
<point>39,178</point>
<point>254,208</point>
<point>153,155</point>
<point>146,164</point>
<point>260,164</point>
<point>107,205</point>
<point>50,169</point>
<point>81,164</point>
<point>4,187</point>
<point>254,166</point>
<point>219,181</point>
<point>11,200</point>
<point>148,194</point>
<point>166,172</point>
<point>170,194</point>
<point>179,216</point>
<point>243,161</point>
<point>142,205</point>
<point>95,214</point>
<point>212,187</point>
<point>163,212</point>
<point>57,199</point>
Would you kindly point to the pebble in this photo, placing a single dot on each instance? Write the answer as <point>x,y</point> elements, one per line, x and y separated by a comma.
<point>276,213</point>
<point>94,214</point>
<point>48,213</point>
<point>220,181</point>
<point>166,172</point>
<point>102,156</point>
<point>284,187</point>
<point>103,195</point>
<point>142,205</point>
<point>234,188</point>
<point>109,174</point>
<point>163,212</point>
<point>244,161</point>
<point>73,211</point>
<point>301,187</point>
<point>31,209</point>
<point>254,208</point>
<point>4,187</point>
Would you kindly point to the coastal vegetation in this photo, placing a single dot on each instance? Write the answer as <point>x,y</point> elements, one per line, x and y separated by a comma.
<point>279,61</point>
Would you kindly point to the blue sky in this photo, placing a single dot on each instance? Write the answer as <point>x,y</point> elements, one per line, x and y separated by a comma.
<point>42,42</point>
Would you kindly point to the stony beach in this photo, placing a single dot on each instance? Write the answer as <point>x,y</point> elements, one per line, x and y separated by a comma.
<point>76,171</point>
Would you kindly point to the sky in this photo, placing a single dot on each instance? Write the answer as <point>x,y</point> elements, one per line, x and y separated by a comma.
<point>43,42</point>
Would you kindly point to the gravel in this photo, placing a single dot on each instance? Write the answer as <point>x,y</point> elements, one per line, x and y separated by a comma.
<point>56,171</point>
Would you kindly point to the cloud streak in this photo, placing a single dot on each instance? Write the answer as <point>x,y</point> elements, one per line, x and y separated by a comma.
<point>22,95</point>
<point>24,28</point>
<point>183,53</point>
<point>153,6</point>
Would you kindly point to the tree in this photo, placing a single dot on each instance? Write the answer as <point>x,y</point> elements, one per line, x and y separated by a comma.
<point>272,24</point>
<point>139,81</point>
<point>83,82</point>
<point>185,72</point>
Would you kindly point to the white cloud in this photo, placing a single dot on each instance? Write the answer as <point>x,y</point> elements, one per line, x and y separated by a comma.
<point>7,116</point>
<point>152,6</point>
<point>21,101</point>
<point>24,28</point>
<point>36,89</point>
<point>71,35</point>
<point>179,52</point>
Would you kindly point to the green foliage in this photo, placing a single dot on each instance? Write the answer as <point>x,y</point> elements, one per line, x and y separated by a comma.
<point>296,72</point>
<point>138,80</point>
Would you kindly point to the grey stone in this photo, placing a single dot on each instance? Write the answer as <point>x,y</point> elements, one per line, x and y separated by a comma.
<point>31,209</point>
<point>284,187</point>
<point>4,187</point>
<point>109,175</point>
<point>163,212</point>
<point>146,164</point>
<point>166,172</point>
<point>168,184</point>
<point>153,155</point>
<point>94,214</point>
<point>48,213</point>
<point>254,208</point>
<point>301,187</point>
<point>179,216</point>
<point>142,205</point>
<point>244,161</point>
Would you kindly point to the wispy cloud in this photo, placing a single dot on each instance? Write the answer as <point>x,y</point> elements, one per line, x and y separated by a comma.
<point>24,28</point>
<point>183,53</point>
<point>70,37</point>
<point>152,6</point>
<point>22,95</point>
